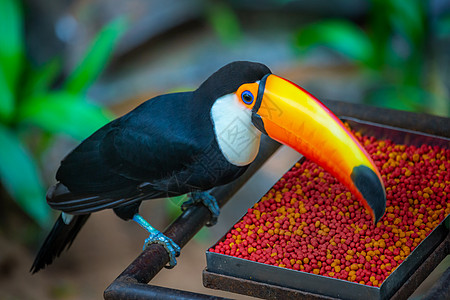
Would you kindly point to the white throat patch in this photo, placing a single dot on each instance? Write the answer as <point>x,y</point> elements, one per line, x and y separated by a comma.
<point>238,139</point>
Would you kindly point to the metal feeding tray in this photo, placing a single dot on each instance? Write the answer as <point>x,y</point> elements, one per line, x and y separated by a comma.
<point>320,286</point>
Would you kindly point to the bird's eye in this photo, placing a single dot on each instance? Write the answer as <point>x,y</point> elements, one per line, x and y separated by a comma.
<point>247,97</point>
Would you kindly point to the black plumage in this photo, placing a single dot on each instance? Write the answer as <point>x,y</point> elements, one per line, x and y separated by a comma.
<point>142,156</point>
<point>60,237</point>
<point>164,147</point>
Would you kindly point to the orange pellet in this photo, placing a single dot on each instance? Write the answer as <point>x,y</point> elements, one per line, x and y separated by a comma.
<point>310,222</point>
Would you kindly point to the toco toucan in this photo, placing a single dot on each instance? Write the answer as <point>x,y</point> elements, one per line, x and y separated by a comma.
<point>190,142</point>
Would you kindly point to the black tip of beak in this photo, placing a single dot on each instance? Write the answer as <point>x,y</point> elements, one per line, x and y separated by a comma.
<point>369,185</point>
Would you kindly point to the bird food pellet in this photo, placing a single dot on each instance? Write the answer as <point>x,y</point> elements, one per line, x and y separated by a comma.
<point>310,222</point>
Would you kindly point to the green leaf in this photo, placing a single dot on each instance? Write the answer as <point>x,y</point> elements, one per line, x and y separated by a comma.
<point>19,174</point>
<point>224,22</point>
<point>6,99</point>
<point>443,26</point>
<point>408,98</point>
<point>340,35</point>
<point>62,112</point>
<point>41,80</point>
<point>11,53</point>
<point>408,18</point>
<point>11,39</point>
<point>96,57</point>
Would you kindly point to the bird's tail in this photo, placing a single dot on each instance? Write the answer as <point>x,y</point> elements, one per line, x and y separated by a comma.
<point>60,237</point>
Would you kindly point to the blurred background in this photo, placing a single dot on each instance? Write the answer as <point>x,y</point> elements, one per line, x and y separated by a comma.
<point>67,67</point>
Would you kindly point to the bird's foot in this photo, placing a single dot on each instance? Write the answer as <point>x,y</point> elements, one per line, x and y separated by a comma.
<point>209,201</point>
<point>156,237</point>
<point>171,247</point>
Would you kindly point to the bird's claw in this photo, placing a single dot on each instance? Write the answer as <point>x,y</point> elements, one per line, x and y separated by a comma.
<point>209,201</point>
<point>171,247</point>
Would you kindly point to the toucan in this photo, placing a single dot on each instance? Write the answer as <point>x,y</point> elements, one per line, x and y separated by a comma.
<point>189,142</point>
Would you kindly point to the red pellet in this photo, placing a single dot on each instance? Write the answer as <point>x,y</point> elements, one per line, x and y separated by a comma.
<point>310,222</point>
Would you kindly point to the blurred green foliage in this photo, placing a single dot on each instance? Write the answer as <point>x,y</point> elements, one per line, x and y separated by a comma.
<point>32,110</point>
<point>224,21</point>
<point>393,50</point>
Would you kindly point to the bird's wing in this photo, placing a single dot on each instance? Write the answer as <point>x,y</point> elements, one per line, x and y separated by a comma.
<point>134,155</point>
<point>83,169</point>
<point>147,155</point>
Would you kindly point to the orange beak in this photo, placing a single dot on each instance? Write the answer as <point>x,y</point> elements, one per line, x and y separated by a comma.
<point>290,115</point>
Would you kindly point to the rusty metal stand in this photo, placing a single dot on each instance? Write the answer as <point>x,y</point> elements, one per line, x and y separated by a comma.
<point>132,283</point>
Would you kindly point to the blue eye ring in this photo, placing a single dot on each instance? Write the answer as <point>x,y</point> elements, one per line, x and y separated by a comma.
<point>247,97</point>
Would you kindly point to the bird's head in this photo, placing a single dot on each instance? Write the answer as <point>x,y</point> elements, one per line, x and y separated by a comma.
<point>252,101</point>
